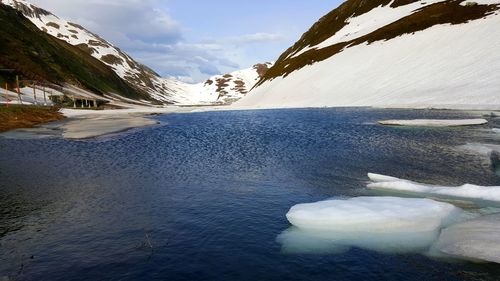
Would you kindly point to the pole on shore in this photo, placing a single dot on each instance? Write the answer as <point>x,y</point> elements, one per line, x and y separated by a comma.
<point>7,95</point>
<point>34,92</point>
<point>18,90</point>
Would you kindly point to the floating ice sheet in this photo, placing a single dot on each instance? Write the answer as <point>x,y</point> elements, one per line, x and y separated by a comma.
<point>467,191</point>
<point>478,239</point>
<point>372,214</point>
<point>384,224</point>
<point>434,122</point>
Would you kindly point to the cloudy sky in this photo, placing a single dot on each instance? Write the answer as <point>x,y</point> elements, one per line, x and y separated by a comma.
<point>195,39</point>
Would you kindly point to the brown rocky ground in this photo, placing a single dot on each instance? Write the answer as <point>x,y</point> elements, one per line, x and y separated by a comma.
<point>18,116</point>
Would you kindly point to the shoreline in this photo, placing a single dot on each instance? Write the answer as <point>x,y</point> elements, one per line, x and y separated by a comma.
<point>77,124</point>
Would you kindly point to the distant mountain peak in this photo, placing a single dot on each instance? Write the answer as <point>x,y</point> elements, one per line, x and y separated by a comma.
<point>220,89</point>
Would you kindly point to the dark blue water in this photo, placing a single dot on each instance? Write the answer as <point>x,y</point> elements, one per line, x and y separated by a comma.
<point>204,196</point>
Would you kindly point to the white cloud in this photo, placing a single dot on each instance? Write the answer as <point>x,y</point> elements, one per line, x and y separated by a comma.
<point>256,38</point>
<point>119,21</point>
<point>153,37</point>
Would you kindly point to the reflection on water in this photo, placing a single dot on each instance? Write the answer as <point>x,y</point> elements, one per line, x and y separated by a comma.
<point>298,241</point>
<point>205,196</point>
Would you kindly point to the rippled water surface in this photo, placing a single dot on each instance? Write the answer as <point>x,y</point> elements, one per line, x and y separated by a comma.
<point>204,196</point>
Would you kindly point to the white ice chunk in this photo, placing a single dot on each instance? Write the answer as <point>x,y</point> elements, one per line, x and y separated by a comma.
<point>434,122</point>
<point>468,191</point>
<point>383,224</point>
<point>478,239</point>
<point>496,130</point>
<point>372,214</point>
<point>483,149</point>
<point>381,178</point>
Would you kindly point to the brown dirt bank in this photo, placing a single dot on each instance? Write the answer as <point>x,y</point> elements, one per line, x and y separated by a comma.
<point>19,116</point>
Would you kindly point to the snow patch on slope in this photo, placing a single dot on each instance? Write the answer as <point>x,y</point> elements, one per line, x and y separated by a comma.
<point>369,22</point>
<point>445,66</point>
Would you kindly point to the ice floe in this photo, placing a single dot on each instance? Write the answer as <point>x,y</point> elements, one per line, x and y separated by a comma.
<point>477,240</point>
<point>372,214</point>
<point>399,225</point>
<point>466,191</point>
<point>383,224</point>
<point>434,122</point>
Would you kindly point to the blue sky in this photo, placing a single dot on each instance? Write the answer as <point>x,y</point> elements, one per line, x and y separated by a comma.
<point>192,40</point>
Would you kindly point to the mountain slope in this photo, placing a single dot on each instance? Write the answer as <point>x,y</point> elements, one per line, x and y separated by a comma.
<point>41,57</point>
<point>406,53</point>
<point>228,88</point>
<point>221,89</point>
<point>142,78</point>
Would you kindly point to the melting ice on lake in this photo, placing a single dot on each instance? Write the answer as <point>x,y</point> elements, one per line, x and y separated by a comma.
<point>384,224</point>
<point>489,151</point>
<point>434,122</point>
<point>466,191</point>
<point>477,240</point>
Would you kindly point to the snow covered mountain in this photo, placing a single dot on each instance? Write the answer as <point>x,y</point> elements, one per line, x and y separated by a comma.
<point>56,64</point>
<point>221,89</point>
<point>134,73</point>
<point>231,87</point>
<point>391,53</point>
